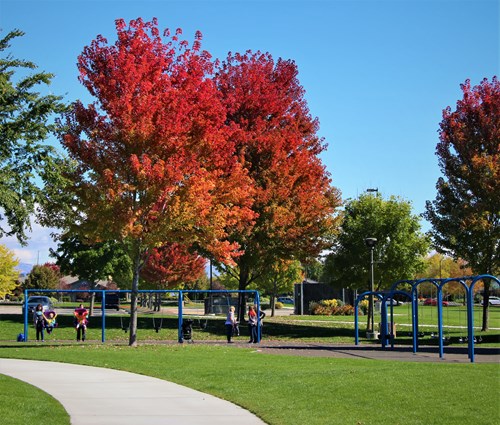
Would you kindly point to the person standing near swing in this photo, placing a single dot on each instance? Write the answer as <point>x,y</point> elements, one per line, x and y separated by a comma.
<point>252,325</point>
<point>39,322</point>
<point>230,323</point>
<point>80,314</point>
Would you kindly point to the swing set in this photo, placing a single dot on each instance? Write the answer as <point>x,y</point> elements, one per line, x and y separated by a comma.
<point>468,283</point>
<point>156,322</point>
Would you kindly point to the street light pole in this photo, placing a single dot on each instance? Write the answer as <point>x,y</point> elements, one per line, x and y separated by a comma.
<point>370,243</point>
<point>372,278</point>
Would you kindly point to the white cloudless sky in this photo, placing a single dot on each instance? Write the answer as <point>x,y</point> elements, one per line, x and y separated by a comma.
<point>377,73</point>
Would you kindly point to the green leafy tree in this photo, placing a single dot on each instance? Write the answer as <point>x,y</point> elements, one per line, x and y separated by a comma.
<point>42,277</point>
<point>313,270</point>
<point>24,125</point>
<point>91,262</point>
<point>465,215</point>
<point>8,272</point>
<point>399,253</point>
<point>279,278</point>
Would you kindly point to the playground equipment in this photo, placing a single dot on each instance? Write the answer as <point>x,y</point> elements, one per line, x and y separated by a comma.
<point>50,320</point>
<point>180,298</point>
<point>467,282</point>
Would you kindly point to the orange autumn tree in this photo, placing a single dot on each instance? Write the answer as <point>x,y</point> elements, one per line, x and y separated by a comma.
<point>277,143</point>
<point>153,162</point>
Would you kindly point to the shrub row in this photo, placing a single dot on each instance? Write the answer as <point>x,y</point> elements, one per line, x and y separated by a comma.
<point>331,308</point>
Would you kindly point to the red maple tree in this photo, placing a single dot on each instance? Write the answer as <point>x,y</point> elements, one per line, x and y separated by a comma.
<point>153,160</point>
<point>171,265</point>
<point>276,139</point>
<point>465,214</point>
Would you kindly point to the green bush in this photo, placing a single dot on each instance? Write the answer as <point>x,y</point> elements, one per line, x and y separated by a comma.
<point>278,305</point>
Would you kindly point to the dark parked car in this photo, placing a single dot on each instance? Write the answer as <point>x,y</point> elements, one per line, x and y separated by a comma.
<point>34,300</point>
<point>112,301</point>
<point>285,300</point>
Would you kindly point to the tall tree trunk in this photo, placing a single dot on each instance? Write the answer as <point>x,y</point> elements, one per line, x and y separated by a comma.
<point>242,285</point>
<point>486,305</point>
<point>273,297</point>
<point>370,314</point>
<point>92,300</point>
<point>133,302</point>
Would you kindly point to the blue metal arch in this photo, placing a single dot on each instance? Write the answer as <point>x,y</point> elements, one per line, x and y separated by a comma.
<point>356,302</point>
<point>383,312</point>
<point>439,284</point>
<point>470,311</point>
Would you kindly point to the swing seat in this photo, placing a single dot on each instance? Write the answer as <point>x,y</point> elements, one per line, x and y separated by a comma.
<point>187,330</point>
<point>157,327</point>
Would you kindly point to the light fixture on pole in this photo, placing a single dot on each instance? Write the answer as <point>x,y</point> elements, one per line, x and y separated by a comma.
<point>370,243</point>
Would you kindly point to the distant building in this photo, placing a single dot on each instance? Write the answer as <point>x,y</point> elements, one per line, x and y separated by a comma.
<point>311,291</point>
<point>74,283</point>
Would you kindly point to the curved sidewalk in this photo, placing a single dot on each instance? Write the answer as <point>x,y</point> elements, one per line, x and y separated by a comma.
<point>99,396</point>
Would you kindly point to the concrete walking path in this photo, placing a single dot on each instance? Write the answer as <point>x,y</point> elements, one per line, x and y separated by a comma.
<point>99,396</point>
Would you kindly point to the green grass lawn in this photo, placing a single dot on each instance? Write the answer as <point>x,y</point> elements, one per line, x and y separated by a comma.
<point>303,390</point>
<point>282,389</point>
<point>22,403</point>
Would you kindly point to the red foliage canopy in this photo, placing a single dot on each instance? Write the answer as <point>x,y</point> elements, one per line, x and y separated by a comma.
<point>275,137</point>
<point>154,162</point>
<point>171,265</point>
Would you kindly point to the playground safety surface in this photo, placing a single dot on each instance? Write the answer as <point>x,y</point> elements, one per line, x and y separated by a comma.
<point>399,353</point>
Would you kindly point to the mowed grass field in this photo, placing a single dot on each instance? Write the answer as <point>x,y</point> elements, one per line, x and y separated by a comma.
<point>295,390</point>
<point>279,389</point>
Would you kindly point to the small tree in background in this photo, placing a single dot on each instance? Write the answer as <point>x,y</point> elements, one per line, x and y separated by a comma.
<point>9,275</point>
<point>280,278</point>
<point>442,266</point>
<point>91,262</point>
<point>171,266</point>
<point>42,277</point>
<point>399,253</point>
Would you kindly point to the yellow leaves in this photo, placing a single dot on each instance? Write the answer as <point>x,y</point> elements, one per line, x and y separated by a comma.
<point>8,272</point>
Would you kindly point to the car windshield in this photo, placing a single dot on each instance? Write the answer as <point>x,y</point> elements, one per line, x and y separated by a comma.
<point>38,300</point>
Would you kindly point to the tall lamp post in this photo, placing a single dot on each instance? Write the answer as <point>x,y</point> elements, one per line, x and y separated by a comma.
<point>370,243</point>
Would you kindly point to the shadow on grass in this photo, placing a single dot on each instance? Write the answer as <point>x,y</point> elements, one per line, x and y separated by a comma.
<point>160,327</point>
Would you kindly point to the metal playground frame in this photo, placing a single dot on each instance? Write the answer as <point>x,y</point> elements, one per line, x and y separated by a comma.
<point>180,297</point>
<point>467,282</point>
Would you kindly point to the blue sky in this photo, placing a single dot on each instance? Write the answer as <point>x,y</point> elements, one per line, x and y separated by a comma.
<point>376,73</point>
